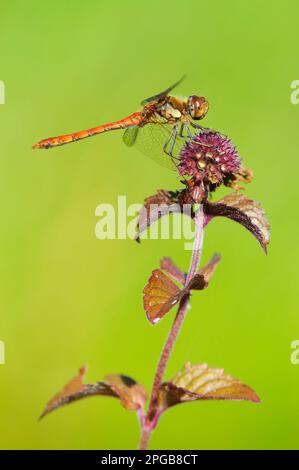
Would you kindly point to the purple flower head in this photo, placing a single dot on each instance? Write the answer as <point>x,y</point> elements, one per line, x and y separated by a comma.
<point>210,159</point>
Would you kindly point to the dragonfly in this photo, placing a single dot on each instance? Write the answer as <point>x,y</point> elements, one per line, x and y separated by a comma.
<point>159,129</point>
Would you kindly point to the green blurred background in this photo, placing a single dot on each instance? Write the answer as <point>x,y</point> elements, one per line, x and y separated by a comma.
<point>67,298</point>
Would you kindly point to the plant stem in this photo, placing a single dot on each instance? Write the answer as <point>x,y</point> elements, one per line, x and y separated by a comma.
<point>152,416</point>
<point>144,438</point>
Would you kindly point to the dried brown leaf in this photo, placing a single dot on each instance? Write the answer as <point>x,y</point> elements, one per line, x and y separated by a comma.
<point>200,382</point>
<point>160,295</point>
<point>243,210</point>
<point>132,395</point>
<point>201,280</point>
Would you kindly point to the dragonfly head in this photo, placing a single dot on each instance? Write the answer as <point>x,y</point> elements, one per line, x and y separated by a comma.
<point>197,107</point>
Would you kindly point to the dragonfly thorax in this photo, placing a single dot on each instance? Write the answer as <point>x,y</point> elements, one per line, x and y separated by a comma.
<point>170,112</point>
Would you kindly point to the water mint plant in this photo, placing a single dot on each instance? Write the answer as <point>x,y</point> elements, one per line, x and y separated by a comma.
<point>205,162</point>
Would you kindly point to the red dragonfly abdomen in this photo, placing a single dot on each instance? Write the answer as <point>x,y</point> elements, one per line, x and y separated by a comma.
<point>134,119</point>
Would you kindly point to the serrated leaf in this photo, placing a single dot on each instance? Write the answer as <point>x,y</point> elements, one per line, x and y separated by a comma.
<point>200,382</point>
<point>161,294</point>
<point>131,394</point>
<point>243,210</point>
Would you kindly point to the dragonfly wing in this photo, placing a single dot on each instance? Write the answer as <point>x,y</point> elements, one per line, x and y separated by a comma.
<point>151,140</point>
<point>163,93</point>
<point>130,135</point>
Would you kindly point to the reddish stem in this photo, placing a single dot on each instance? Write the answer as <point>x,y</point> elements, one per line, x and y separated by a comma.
<point>152,417</point>
<point>145,435</point>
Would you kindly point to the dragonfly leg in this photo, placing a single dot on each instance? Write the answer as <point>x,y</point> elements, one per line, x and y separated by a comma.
<point>190,135</point>
<point>203,129</point>
<point>182,130</point>
<point>167,141</point>
<point>175,134</point>
<point>171,140</point>
<point>197,126</point>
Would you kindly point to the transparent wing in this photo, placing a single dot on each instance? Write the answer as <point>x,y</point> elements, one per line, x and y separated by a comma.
<point>151,139</point>
<point>162,93</point>
<point>130,135</point>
